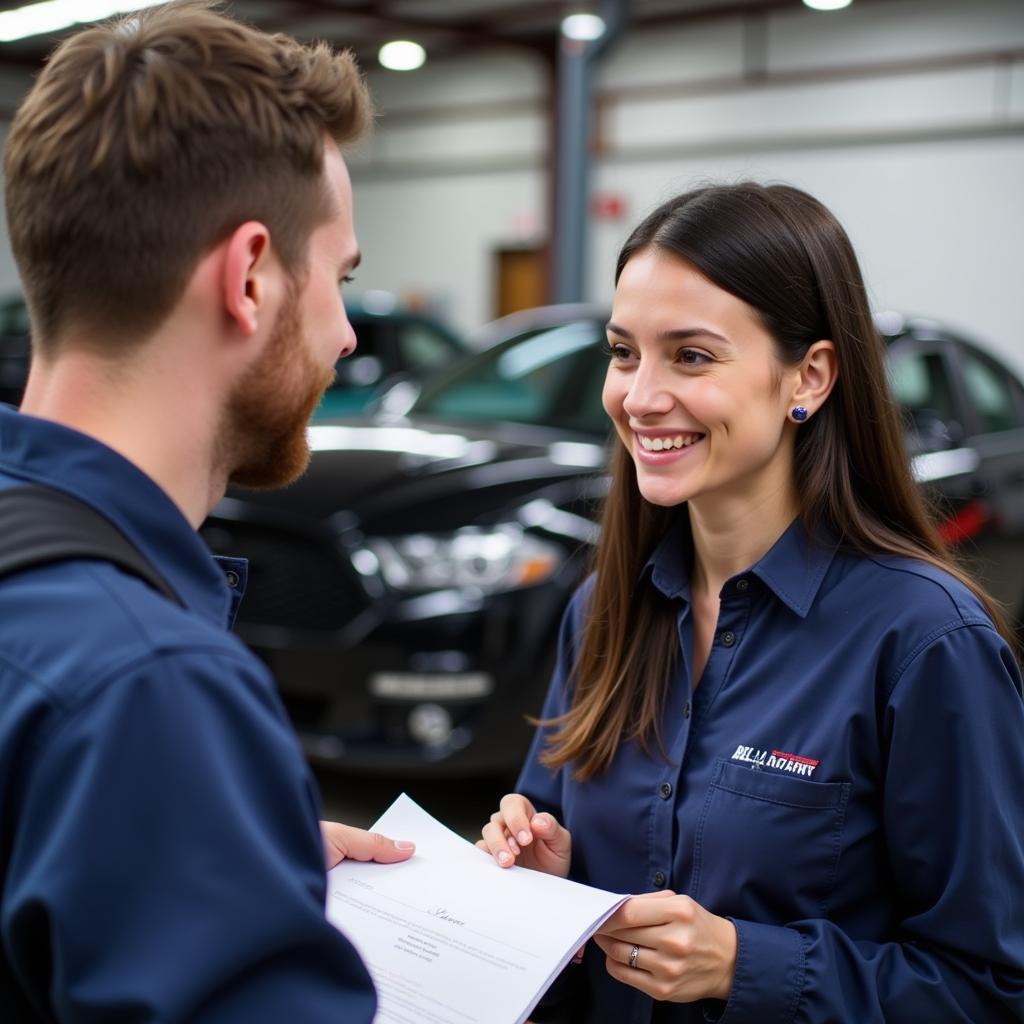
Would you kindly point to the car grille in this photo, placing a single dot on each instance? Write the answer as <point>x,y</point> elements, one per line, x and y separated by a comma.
<point>295,581</point>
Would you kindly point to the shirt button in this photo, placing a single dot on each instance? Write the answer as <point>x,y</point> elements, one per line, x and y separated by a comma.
<point>743,584</point>
<point>659,878</point>
<point>232,577</point>
<point>665,790</point>
<point>686,710</point>
<point>727,638</point>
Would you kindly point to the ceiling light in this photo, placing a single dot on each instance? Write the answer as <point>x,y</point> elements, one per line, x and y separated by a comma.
<point>54,15</point>
<point>827,5</point>
<point>586,27</point>
<point>402,55</point>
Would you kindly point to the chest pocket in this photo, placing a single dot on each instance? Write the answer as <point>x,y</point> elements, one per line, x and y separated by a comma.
<point>767,846</point>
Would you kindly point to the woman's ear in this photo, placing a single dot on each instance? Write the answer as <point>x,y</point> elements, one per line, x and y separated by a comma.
<point>246,265</point>
<point>816,376</point>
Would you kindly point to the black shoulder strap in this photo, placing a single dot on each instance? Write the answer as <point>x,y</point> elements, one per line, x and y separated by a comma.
<point>40,525</point>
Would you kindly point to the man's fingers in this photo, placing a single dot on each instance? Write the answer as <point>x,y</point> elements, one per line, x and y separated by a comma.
<point>345,842</point>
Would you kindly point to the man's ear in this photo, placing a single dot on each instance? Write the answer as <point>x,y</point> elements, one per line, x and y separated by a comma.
<point>247,263</point>
<point>816,376</point>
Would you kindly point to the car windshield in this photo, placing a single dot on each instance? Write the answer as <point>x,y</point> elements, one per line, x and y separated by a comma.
<point>548,377</point>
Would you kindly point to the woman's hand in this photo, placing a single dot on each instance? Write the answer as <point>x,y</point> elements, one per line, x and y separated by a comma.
<point>517,834</point>
<point>343,842</point>
<point>684,953</point>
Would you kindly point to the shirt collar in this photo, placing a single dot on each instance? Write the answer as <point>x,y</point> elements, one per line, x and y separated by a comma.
<point>792,568</point>
<point>43,452</point>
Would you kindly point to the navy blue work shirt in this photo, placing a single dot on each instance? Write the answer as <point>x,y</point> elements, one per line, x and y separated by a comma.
<point>846,784</point>
<point>160,854</point>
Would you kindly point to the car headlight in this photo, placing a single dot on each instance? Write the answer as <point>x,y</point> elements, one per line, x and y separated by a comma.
<point>490,560</point>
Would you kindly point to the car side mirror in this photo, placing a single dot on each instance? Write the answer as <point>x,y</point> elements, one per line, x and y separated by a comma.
<point>398,398</point>
<point>359,371</point>
<point>929,432</point>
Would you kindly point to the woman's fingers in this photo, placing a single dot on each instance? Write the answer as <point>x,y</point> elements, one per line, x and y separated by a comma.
<point>496,841</point>
<point>683,952</point>
<point>504,833</point>
<point>548,831</point>
<point>646,911</point>
<point>517,812</point>
<point>622,953</point>
<point>516,832</point>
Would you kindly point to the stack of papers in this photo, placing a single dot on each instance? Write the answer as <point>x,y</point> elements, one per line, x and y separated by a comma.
<point>451,938</point>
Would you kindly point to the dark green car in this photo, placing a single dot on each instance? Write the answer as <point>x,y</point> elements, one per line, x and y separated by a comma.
<point>393,343</point>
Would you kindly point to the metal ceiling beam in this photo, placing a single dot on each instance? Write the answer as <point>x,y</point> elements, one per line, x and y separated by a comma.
<point>720,11</point>
<point>480,31</point>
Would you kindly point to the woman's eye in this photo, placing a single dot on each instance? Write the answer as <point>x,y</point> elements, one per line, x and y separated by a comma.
<point>615,351</point>
<point>693,357</point>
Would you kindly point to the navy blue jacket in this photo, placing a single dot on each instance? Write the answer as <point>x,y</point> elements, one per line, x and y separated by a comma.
<point>160,857</point>
<point>846,784</point>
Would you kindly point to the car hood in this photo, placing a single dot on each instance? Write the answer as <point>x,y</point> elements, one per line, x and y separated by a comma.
<point>390,477</point>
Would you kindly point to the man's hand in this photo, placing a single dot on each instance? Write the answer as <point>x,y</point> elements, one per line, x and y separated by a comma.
<point>344,841</point>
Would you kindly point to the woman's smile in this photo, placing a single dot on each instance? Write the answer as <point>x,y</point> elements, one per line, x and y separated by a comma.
<point>657,449</point>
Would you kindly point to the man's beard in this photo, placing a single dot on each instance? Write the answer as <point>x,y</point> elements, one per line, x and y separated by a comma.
<point>263,432</point>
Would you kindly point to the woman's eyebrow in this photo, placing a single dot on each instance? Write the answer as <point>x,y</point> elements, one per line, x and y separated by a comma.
<point>676,334</point>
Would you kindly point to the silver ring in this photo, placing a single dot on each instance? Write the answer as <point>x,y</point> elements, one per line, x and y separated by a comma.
<point>633,954</point>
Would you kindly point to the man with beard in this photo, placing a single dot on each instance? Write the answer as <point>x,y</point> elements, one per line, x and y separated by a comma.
<point>181,216</point>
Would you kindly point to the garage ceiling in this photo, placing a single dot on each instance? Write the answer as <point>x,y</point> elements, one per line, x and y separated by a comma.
<point>444,27</point>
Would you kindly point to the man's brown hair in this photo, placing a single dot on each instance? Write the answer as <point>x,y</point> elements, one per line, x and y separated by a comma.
<point>148,140</point>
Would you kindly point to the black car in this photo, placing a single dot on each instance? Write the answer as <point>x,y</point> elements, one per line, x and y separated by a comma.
<point>406,592</point>
<point>392,343</point>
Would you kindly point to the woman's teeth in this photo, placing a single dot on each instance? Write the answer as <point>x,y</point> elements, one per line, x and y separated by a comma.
<point>663,444</point>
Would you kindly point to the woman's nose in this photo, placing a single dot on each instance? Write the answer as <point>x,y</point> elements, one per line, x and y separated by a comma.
<point>648,395</point>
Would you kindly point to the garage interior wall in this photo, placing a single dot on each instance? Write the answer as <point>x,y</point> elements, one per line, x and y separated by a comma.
<point>906,117</point>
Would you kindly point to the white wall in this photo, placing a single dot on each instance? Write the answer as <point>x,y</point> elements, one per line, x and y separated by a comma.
<point>937,226</point>
<point>907,118</point>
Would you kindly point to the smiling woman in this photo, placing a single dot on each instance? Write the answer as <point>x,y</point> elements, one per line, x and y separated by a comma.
<point>773,642</point>
<point>700,406</point>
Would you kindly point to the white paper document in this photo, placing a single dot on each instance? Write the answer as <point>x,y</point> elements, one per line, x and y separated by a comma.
<point>451,938</point>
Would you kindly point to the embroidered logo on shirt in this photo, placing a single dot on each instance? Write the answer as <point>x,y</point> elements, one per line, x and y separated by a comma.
<point>794,763</point>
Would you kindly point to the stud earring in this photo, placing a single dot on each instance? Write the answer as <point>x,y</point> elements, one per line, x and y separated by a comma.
<point>799,414</point>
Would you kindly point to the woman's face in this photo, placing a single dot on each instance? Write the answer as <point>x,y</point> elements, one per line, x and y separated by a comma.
<point>695,389</point>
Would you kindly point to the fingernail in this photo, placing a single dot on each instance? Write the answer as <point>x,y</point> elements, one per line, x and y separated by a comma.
<point>578,955</point>
<point>401,844</point>
<point>504,858</point>
<point>513,846</point>
<point>539,822</point>
<point>524,836</point>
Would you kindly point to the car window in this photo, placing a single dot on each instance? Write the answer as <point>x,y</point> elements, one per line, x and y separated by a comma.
<point>371,334</point>
<point>548,377</point>
<point>920,383</point>
<point>422,348</point>
<point>14,316</point>
<point>990,392</point>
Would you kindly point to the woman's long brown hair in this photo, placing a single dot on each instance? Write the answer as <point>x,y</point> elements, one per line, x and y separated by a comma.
<point>784,254</point>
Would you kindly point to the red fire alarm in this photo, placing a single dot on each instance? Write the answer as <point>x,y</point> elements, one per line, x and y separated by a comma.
<point>607,206</point>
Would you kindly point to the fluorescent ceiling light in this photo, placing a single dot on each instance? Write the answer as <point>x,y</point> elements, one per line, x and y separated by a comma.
<point>54,15</point>
<point>586,27</point>
<point>402,55</point>
<point>827,5</point>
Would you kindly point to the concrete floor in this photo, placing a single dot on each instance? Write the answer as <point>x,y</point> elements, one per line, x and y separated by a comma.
<point>464,806</point>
